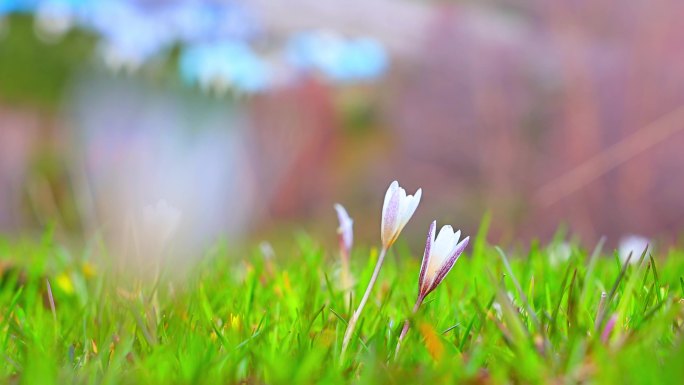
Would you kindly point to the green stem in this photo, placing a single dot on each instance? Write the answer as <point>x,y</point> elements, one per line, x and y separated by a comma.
<point>405,329</point>
<point>355,317</point>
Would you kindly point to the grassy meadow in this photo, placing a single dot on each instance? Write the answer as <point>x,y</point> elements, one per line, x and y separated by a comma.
<point>500,317</point>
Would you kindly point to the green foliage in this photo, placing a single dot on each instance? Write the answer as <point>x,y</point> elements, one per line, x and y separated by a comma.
<point>37,72</point>
<point>498,318</point>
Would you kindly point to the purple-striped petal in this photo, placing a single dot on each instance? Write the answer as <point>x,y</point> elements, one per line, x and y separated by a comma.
<point>390,214</point>
<point>426,258</point>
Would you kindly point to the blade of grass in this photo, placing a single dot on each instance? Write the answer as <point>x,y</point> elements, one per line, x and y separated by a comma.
<point>589,275</point>
<point>554,315</point>
<point>572,303</point>
<point>344,321</point>
<point>523,297</point>
<point>656,279</point>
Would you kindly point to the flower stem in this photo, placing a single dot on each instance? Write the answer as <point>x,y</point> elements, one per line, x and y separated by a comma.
<point>355,317</point>
<point>405,329</point>
<point>346,283</point>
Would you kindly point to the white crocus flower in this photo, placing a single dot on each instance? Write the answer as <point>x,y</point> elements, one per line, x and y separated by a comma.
<point>345,230</point>
<point>440,256</point>
<point>396,212</point>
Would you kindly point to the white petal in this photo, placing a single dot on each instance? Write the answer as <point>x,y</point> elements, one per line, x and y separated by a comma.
<point>403,208</point>
<point>439,251</point>
<point>390,220</point>
<point>410,205</point>
<point>454,241</point>
<point>402,194</point>
<point>401,216</point>
<point>444,242</point>
<point>388,195</point>
<point>415,200</point>
<point>394,218</point>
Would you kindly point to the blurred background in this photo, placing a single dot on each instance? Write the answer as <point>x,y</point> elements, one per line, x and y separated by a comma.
<point>151,120</point>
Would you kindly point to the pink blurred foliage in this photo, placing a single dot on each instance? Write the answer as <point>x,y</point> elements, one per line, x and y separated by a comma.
<point>500,109</point>
<point>293,132</point>
<point>541,112</point>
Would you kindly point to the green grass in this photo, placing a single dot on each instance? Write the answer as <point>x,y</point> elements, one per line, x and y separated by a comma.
<point>497,318</point>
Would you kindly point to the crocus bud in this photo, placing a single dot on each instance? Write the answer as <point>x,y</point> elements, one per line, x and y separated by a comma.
<point>396,212</point>
<point>439,257</point>
<point>345,231</point>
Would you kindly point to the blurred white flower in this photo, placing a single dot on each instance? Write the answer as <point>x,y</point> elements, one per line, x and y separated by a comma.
<point>345,230</point>
<point>345,233</point>
<point>634,245</point>
<point>160,222</point>
<point>396,212</point>
<point>559,253</point>
<point>440,256</point>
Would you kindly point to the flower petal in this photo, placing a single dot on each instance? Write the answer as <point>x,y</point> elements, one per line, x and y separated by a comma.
<point>444,243</point>
<point>390,214</point>
<point>422,288</point>
<point>346,226</point>
<point>449,263</point>
<point>410,207</point>
<point>454,241</point>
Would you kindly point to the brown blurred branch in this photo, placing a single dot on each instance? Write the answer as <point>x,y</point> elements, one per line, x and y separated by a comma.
<point>612,157</point>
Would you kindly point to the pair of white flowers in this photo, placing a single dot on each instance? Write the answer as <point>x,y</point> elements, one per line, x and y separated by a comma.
<point>441,250</point>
